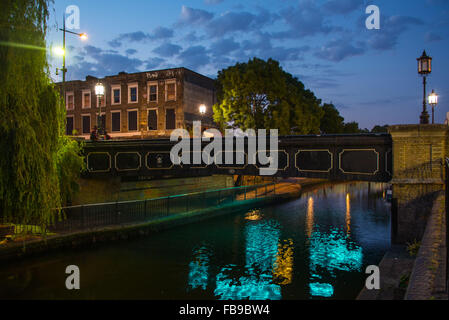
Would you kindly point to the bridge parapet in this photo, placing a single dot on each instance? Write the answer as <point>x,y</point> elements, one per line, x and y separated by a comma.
<point>418,176</point>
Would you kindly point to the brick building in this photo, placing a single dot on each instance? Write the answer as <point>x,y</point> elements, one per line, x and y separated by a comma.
<point>140,105</point>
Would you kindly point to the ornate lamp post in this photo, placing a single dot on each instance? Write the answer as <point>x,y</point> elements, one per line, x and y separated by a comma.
<point>202,110</point>
<point>433,101</point>
<point>99,91</point>
<point>424,68</point>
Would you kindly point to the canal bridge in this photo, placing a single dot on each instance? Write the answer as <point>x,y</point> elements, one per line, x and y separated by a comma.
<point>410,157</point>
<point>362,157</point>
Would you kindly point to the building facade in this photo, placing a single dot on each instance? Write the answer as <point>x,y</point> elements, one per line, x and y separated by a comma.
<point>139,105</point>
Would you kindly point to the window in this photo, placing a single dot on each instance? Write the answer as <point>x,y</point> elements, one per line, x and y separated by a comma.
<point>115,119</point>
<point>170,119</point>
<point>102,101</point>
<point>69,126</point>
<point>86,124</point>
<point>116,94</point>
<point>152,119</point>
<point>70,101</point>
<point>152,92</point>
<point>170,91</point>
<point>132,93</point>
<point>132,120</point>
<point>86,98</point>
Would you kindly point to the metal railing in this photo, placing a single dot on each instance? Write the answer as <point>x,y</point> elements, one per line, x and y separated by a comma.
<point>446,162</point>
<point>86,217</point>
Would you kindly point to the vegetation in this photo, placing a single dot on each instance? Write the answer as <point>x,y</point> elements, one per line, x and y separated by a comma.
<point>413,248</point>
<point>261,95</point>
<point>39,165</point>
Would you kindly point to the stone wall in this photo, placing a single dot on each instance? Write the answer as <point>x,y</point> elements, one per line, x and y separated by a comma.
<point>113,189</point>
<point>418,176</point>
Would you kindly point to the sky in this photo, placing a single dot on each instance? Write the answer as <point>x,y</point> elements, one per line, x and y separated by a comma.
<point>369,75</point>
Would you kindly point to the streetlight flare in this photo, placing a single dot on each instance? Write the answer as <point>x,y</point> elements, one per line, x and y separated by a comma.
<point>59,51</point>
<point>83,36</point>
<point>202,109</point>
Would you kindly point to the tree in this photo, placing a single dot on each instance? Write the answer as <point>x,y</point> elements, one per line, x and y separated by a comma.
<point>351,127</point>
<point>38,163</point>
<point>260,95</point>
<point>331,122</point>
<point>380,129</point>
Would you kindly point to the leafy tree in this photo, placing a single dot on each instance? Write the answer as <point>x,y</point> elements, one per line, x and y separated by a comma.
<point>261,95</point>
<point>351,127</point>
<point>38,163</point>
<point>380,129</point>
<point>331,122</point>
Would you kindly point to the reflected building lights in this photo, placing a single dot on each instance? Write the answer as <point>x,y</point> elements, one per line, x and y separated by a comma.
<point>309,217</point>
<point>348,214</point>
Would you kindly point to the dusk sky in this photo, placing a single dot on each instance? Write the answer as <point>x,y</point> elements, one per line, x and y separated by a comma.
<point>370,75</point>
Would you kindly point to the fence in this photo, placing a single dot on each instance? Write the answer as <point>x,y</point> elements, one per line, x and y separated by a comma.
<point>87,217</point>
<point>447,222</point>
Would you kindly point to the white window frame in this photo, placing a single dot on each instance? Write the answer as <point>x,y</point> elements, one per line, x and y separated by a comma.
<point>152,83</point>
<point>157,115</point>
<point>120,127</point>
<point>82,123</point>
<point>130,86</point>
<point>73,117</point>
<point>90,99</point>
<point>115,87</point>
<point>127,122</point>
<point>167,82</point>
<point>70,93</point>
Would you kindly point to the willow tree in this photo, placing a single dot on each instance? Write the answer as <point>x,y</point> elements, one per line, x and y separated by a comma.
<point>36,157</point>
<point>261,95</point>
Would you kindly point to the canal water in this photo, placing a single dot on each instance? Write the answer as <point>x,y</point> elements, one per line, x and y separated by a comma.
<point>315,247</point>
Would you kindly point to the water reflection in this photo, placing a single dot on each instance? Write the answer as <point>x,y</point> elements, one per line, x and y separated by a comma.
<point>269,260</point>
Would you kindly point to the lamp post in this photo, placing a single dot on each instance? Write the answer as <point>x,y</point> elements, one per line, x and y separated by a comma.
<point>202,110</point>
<point>83,36</point>
<point>99,92</point>
<point>424,68</point>
<point>433,101</point>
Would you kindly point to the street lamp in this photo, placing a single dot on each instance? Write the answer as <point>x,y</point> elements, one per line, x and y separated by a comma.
<point>202,109</point>
<point>99,91</point>
<point>433,101</point>
<point>83,36</point>
<point>424,68</point>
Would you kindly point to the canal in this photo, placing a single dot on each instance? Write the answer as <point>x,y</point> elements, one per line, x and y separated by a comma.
<point>315,247</point>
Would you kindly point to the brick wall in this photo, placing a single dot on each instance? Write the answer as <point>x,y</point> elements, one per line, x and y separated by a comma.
<point>199,90</point>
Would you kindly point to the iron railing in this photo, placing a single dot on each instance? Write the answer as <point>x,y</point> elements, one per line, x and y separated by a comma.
<point>87,217</point>
<point>447,221</point>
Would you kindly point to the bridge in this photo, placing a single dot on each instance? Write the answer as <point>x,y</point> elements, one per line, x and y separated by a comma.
<point>362,157</point>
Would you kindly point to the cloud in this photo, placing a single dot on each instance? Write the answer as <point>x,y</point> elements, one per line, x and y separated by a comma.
<point>159,33</point>
<point>130,52</point>
<point>390,30</point>
<point>231,22</point>
<point>167,50</point>
<point>194,57</point>
<point>213,1</point>
<point>338,50</point>
<point>190,16</point>
<point>224,47</point>
<point>343,6</point>
<point>101,63</point>
<point>154,63</point>
<point>432,37</point>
